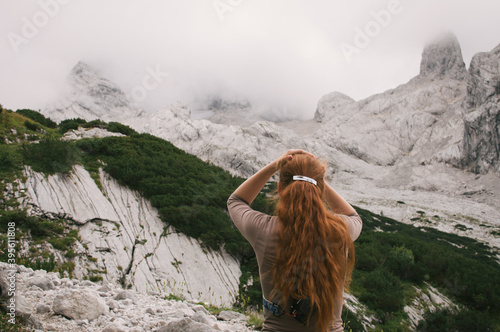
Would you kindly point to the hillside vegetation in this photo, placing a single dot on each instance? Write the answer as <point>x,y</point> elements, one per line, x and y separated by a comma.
<point>190,195</point>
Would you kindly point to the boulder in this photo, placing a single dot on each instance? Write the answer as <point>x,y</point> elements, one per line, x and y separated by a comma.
<point>80,304</point>
<point>44,283</point>
<point>42,308</point>
<point>123,295</point>
<point>231,315</point>
<point>185,324</point>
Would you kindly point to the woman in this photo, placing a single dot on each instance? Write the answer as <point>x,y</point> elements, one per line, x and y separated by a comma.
<point>305,253</point>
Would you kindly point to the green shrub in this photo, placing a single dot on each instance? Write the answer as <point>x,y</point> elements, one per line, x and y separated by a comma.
<point>95,124</point>
<point>61,243</point>
<point>464,320</point>
<point>38,117</point>
<point>120,128</point>
<point>10,159</point>
<point>370,255</point>
<point>32,125</point>
<point>400,261</point>
<point>351,321</point>
<point>383,292</point>
<point>51,155</point>
<point>70,124</point>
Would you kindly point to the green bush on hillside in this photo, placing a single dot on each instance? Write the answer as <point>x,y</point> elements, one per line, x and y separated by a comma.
<point>383,292</point>
<point>38,117</point>
<point>50,155</point>
<point>32,125</point>
<point>401,262</point>
<point>70,124</point>
<point>10,159</point>
<point>464,320</point>
<point>95,124</point>
<point>116,127</point>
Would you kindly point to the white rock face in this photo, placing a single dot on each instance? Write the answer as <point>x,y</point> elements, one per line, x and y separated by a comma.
<point>482,118</point>
<point>89,133</point>
<point>123,233</point>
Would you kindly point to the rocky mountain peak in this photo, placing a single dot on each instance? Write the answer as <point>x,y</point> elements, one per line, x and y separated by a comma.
<point>443,58</point>
<point>88,95</point>
<point>82,67</point>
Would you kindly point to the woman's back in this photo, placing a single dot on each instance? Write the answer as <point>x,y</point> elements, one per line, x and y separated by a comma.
<point>262,233</point>
<point>304,253</point>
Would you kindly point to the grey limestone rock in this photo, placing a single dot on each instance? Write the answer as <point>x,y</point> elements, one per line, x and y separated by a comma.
<point>113,327</point>
<point>125,294</point>
<point>44,283</point>
<point>481,142</point>
<point>42,308</point>
<point>80,304</point>
<point>185,324</point>
<point>203,318</point>
<point>231,315</point>
<point>328,104</point>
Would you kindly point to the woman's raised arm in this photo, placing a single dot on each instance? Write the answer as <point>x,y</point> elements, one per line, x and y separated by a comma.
<point>249,189</point>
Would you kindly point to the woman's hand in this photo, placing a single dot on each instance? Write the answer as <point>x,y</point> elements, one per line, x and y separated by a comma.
<point>249,189</point>
<point>289,156</point>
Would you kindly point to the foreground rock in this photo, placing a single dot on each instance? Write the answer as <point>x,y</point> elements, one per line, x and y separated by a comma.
<point>79,304</point>
<point>73,305</point>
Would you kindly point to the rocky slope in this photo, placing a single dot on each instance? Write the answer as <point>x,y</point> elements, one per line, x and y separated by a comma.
<point>122,235</point>
<point>52,303</point>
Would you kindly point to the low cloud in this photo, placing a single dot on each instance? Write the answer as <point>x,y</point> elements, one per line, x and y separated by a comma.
<point>283,55</point>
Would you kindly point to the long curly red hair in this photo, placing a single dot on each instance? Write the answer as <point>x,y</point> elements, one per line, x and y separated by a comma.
<point>315,253</point>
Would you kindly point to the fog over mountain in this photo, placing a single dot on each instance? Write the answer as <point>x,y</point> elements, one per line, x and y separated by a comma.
<point>282,56</point>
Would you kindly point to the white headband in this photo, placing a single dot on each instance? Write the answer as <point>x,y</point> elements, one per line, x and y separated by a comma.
<point>304,178</point>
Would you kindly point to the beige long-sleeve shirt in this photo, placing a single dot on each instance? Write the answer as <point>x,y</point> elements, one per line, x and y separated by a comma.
<point>261,231</point>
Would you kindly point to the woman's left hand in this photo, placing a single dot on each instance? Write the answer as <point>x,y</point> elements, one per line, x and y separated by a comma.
<point>290,153</point>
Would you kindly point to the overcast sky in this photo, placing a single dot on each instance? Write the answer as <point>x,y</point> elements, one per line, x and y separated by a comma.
<point>283,53</point>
